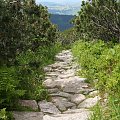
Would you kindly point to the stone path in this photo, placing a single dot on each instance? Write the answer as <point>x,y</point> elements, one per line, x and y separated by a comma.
<point>71,96</point>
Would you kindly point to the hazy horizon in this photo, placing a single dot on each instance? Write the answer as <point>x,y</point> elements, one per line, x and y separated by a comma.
<point>60,1</point>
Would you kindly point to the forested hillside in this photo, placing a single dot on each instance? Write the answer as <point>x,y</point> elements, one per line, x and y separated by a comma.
<point>62,21</point>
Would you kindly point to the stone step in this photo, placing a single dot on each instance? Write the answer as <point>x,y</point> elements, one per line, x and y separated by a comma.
<point>67,91</point>
<point>77,114</point>
<point>28,115</point>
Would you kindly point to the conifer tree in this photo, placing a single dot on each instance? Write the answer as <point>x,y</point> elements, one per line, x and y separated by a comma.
<point>99,19</point>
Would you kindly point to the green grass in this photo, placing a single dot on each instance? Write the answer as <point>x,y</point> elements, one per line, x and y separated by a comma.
<point>101,61</point>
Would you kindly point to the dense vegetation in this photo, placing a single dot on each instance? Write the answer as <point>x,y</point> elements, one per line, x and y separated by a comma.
<point>62,21</point>
<point>100,63</point>
<point>27,44</point>
<point>99,19</point>
<point>98,53</point>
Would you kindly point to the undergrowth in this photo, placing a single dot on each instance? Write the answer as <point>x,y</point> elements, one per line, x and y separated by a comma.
<point>100,63</point>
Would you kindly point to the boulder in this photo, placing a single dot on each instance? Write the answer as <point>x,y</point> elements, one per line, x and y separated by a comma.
<point>28,115</point>
<point>90,102</point>
<point>77,98</point>
<point>48,107</point>
<point>32,104</point>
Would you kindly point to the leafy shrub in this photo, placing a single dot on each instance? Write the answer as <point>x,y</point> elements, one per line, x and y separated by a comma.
<point>23,27</point>
<point>27,44</point>
<point>8,87</point>
<point>67,37</point>
<point>3,114</point>
<point>30,71</point>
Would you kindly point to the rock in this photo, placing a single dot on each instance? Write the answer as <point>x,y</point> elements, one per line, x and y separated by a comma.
<point>66,75</point>
<point>70,71</point>
<point>29,103</point>
<point>78,78</point>
<point>47,77</point>
<point>94,93</point>
<point>87,91</point>
<point>62,103</point>
<point>52,74</point>
<point>90,102</point>
<point>67,67</point>
<point>49,83</point>
<point>61,94</point>
<point>73,85</point>
<point>57,65</point>
<point>28,115</point>
<point>77,98</point>
<point>48,107</point>
<point>70,85</point>
<point>64,56</point>
<point>70,111</point>
<point>48,69</point>
<point>53,90</point>
<point>83,115</point>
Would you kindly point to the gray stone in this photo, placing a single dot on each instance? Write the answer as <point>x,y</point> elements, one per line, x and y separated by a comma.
<point>64,76</point>
<point>53,90</point>
<point>57,65</point>
<point>49,83</point>
<point>28,115</point>
<point>83,115</point>
<point>61,94</point>
<point>64,58</point>
<point>48,107</point>
<point>52,74</point>
<point>94,93</point>
<point>29,103</point>
<point>70,111</point>
<point>67,67</point>
<point>73,86</point>
<point>90,102</point>
<point>77,98</point>
<point>62,103</point>
<point>87,91</point>
<point>48,77</point>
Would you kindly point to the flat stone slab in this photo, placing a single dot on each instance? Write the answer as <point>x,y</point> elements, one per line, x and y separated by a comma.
<point>90,102</point>
<point>73,85</point>
<point>64,76</point>
<point>64,58</point>
<point>61,94</point>
<point>29,103</point>
<point>62,103</point>
<point>77,98</point>
<point>28,115</point>
<point>49,83</point>
<point>48,107</point>
<point>71,111</point>
<point>83,115</point>
<point>57,65</point>
<point>53,90</point>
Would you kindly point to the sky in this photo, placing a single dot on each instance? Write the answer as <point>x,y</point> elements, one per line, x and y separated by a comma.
<point>60,1</point>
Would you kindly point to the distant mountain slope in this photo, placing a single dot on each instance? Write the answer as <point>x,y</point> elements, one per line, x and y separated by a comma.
<point>63,9</point>
<point>63,21</point>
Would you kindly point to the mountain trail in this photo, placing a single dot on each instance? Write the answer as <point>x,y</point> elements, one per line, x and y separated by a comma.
<point>71,96</point>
